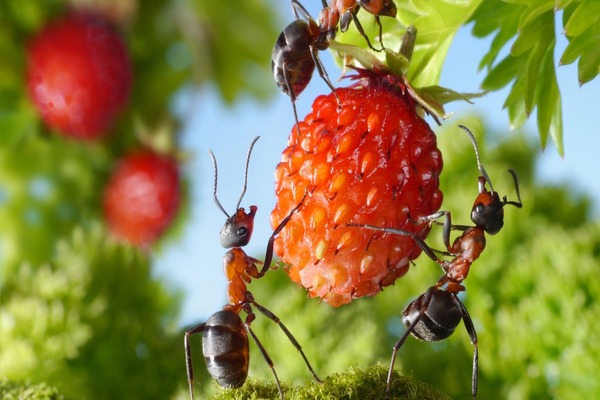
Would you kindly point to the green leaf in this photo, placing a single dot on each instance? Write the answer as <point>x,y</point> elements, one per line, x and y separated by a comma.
<point>529,63</point>
<point>515,104</point>
<point>362,56</point>
<point>562,4</point>
<point>531,32</point>
<point>585,48</point>
<point>586,15</point>
<point>437,21</point>
<point>589,66</point>
<point>582,26</point>
<point>502,74</point>
<point>537,9</point>
<point>517,115</point>
<point>549,114</point>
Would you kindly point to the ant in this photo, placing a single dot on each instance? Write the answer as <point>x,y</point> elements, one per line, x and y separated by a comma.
<point>435,314</point>
<point>295,55</point>
<point>224,335</point>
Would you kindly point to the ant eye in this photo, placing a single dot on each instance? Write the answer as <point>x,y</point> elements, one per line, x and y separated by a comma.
<point>242,230</point>
<point>479,208</point>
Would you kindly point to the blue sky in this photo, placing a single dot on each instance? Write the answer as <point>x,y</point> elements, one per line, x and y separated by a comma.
<point>194,263</point>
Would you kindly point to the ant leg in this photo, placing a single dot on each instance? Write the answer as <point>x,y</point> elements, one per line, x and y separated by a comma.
<point>291,337</point>
<point>473,336</point>
<point>447,225</point>
<point>249,318</point>
<point>188,354</point>
<point>426,299</point>
<point>420,242</point>
<point>292,95</point>
<point>322,73</point>
<point>378,22</point>
<point>363,34</point>
<point>271,242</point>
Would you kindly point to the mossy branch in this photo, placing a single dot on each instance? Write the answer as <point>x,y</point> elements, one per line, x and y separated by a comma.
<point>355,383</point>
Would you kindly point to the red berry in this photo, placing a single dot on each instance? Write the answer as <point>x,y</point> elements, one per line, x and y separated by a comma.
<point>79,75</point>
<point>142,197</point>
<point>374,161</point>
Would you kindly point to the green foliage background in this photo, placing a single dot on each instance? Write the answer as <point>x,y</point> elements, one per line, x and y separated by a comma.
<point>86,315</point>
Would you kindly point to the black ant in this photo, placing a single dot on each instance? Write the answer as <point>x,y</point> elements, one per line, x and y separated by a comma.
<point>224,335</point>
<point>434,315</point>
<point>295,56</point>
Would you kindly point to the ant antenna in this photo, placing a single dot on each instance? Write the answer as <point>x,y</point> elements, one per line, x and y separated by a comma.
<point>214,161</point>
<point>246,171</point>
<point>479,166</point>
<point>517,203</point>
<point>216,199</point>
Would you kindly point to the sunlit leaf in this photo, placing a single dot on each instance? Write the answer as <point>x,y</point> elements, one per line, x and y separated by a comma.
<point>437,21</point>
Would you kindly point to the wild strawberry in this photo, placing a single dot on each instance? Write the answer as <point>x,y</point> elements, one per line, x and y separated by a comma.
<point>372,161</point>
<point>142,197</point>
<point>79,75</point>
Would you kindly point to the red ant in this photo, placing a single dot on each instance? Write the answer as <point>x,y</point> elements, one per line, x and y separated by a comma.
<point>224,335</point>
<point>434,315</point>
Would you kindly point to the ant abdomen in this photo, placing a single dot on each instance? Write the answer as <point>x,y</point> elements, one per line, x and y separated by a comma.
<point>291,61</point>
<point>440,319</point>
<point>225,349</point>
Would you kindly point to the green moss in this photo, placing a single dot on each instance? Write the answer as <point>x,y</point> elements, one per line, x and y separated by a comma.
<point>353,384</point>
<point>16,391</point>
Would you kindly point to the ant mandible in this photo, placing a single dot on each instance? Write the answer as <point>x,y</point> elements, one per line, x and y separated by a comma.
<point>225,343</point>
<point>435,314</point>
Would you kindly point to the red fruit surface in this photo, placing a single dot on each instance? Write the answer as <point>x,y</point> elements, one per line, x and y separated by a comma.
<point>79,75</point>
<point>142,197</point>
<point>374,161</point>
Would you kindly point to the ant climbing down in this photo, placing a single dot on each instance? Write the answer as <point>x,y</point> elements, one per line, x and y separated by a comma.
<point>435,314</point>
<point>225,343</point>
<point>296,52</point>
<point>295,56</point>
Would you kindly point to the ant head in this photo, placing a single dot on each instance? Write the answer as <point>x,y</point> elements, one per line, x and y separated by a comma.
<point>488,210</point>
<point>238,227</point>
<point>237,230</point>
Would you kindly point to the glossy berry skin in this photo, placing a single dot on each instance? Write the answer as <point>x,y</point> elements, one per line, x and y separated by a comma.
<point>79,75</point>
<point>374,161</point>
<point>142,197</point>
